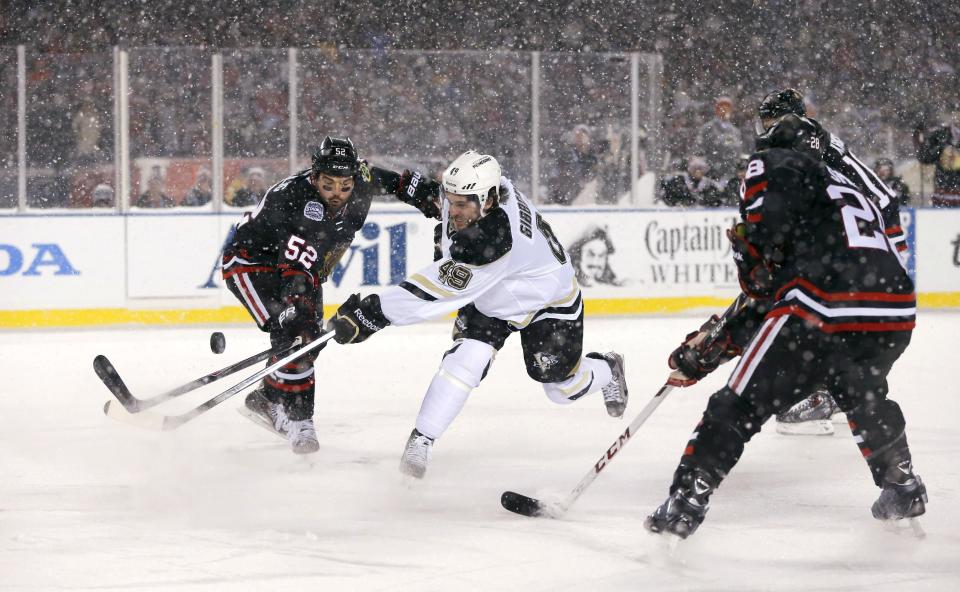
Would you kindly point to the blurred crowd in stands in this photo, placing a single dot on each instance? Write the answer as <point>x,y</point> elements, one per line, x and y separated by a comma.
<point>882,75</point>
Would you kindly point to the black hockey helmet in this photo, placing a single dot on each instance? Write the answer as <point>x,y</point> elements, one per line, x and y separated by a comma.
<point>794,133</point>
<point>335,157</point>
<point>781,102</point>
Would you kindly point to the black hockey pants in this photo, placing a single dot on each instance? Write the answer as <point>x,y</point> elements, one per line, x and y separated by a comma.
<point>258,290</point>
<point>783,363</point>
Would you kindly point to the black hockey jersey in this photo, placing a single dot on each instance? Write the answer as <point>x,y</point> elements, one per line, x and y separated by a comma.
<point>838,157</point>
<point>833,263</point>
<point>292,231</point>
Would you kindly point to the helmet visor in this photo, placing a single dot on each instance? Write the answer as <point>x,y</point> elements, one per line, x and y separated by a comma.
<point>459,197</point>
<point>763,124</point>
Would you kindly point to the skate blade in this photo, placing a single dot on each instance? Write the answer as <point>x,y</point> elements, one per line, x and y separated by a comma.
<point>816,427</point>
<point>669,551</point>
<point>414,477</point>
<point>410,482</point>
<point>910,526</point>
<point>260,421</point>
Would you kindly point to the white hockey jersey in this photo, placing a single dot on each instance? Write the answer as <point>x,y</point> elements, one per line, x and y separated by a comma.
<point>508,264</point>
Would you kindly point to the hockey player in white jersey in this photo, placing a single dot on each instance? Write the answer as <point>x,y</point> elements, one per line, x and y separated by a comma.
<point>504,271</point>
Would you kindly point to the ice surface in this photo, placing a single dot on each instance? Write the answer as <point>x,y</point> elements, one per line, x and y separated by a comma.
<point>220,504</point>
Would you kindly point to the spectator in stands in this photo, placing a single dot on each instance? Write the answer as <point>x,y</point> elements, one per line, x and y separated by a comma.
<point>86,131</point>
<point>590,257</point>
<point>884,169</point>
<point>731,190</point>
<point>720,141</point>
<point>154,196</point>
<point>942,147</point>
<point>250,193</point>
<point>693,187</point>
<point>577,165</point>
<point>102,196</point>
<point>202,191</point>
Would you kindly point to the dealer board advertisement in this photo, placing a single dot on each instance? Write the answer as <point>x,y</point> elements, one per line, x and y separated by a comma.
<point>648,254</point>
<point>938,250</point>
<point>170,260</point>
<point>62,262</point>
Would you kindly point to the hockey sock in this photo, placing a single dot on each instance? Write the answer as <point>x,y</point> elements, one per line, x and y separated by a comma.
<point>292,386</point>
<point>879,430</point>
<point>444,399</point>
<point>601,372</point>
<point>462,369</point>
<point>592,375</point>
<point>716,444</point>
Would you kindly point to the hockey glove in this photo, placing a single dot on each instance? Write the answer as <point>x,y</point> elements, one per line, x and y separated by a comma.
<point>420,192</point>
<point>700,355</point>
<point>357,319</point>
<point>299,318</point>
<point>755,273</point>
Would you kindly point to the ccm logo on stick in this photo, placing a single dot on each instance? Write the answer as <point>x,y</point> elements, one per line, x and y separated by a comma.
<point>612,451</point>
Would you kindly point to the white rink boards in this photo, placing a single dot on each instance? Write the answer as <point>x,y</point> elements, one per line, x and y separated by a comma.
<point>222,505</point>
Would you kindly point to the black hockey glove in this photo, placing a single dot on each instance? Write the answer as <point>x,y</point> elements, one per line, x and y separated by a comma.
<point>754,272</point>
<point>357,319</point>
<point>700,355</point>
<point>420,192</point>
<point>300,316</point>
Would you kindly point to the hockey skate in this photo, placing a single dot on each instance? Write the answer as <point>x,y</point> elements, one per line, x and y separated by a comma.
<point>270,416</point>
<point>905,498</point>
<point>416,455</point>
<point>810,417</point>
<point>615,393</point>
<point>302,436</point>
<point>685,509</point>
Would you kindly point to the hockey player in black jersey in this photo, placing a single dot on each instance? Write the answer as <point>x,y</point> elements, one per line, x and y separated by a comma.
<point>837,308</point>
<point>279,255</point>
<point>812,416</point>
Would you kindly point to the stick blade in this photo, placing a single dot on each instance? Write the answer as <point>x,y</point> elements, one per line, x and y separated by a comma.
<point>147,421</point>
<point>111,379</point>
<point>523,505</point>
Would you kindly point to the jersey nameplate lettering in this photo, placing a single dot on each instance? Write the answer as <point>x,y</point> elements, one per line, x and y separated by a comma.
<point>837,144</point>
<point>313,210</point>
<point>840,177</point>
<point>526,218</point>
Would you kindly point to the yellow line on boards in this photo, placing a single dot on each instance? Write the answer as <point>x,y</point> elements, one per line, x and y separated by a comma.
<point>93,317</point>
<point>939,300</point>
<point>626,306</point>
<point>120,316</point>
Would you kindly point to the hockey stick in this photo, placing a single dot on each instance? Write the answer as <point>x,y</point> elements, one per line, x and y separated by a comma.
<point>172,422</point>
<point>528,506</point>
<point>108,374</point>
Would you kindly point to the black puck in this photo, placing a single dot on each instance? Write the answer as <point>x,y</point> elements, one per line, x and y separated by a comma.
<point>218,342</point>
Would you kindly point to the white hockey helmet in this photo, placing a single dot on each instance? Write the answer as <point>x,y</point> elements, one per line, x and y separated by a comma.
<point>473,174</point>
